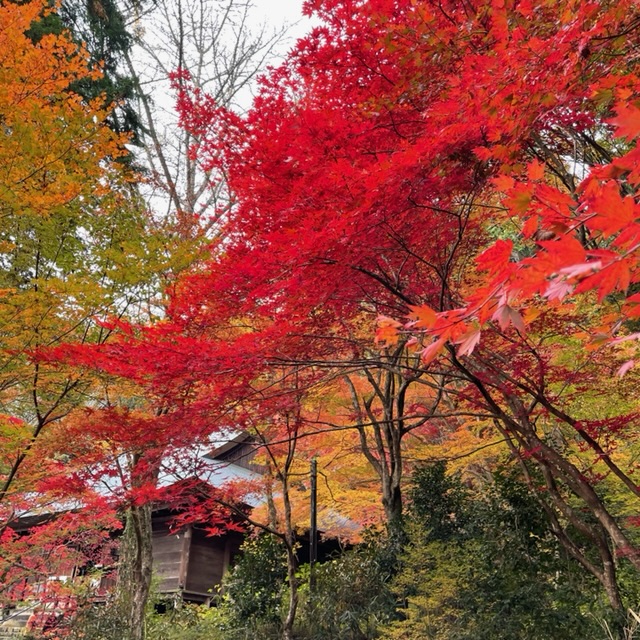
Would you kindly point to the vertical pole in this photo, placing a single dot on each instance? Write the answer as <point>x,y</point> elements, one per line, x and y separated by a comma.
<point>313,529</point>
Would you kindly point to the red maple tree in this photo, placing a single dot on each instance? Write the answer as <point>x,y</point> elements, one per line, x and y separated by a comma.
<point>426,161</point>
<point>452,169</point>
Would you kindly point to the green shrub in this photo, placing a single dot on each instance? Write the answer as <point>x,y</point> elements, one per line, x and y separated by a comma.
<point>482,565</point>
<point>352,596</point>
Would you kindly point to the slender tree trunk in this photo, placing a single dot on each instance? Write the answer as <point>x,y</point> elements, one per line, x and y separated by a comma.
<point>292,563</point>
<point>287,630</point>
<point>136,566</point>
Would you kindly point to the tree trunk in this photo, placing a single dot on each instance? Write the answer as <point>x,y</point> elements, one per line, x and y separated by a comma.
<point>287,630</point>
<point>292,562</point>
<point>392,503</point>
<point>136,566</point>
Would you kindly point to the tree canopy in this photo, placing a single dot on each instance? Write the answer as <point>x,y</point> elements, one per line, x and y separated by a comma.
<point>431,242</point>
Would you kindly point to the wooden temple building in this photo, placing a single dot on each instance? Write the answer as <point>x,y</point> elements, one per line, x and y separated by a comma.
<point>189,562</point>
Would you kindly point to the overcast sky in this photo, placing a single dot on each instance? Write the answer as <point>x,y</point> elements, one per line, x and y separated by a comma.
<point>280,10</point>
<point>278,13</point>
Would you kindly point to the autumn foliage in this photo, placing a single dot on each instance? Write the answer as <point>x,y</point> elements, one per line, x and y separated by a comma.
<point>53,143</point>
<point>467,175</point>
<point>433,248</point>
<point>69,229</point>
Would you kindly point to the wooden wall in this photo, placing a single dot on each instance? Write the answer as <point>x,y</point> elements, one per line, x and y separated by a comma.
<point>206,563</point>
<point>170,554</point>
<point>190,562</point>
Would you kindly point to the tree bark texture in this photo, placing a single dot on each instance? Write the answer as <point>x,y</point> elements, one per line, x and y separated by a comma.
<point>135,570</point>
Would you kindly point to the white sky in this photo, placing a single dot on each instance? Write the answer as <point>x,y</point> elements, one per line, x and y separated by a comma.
<point>277,13</point>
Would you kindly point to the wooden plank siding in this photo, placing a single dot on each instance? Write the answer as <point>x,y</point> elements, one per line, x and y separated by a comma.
<point>209,560</point>
<point>206,563</point>
<point>168,552</point>
<point>189,562</point>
